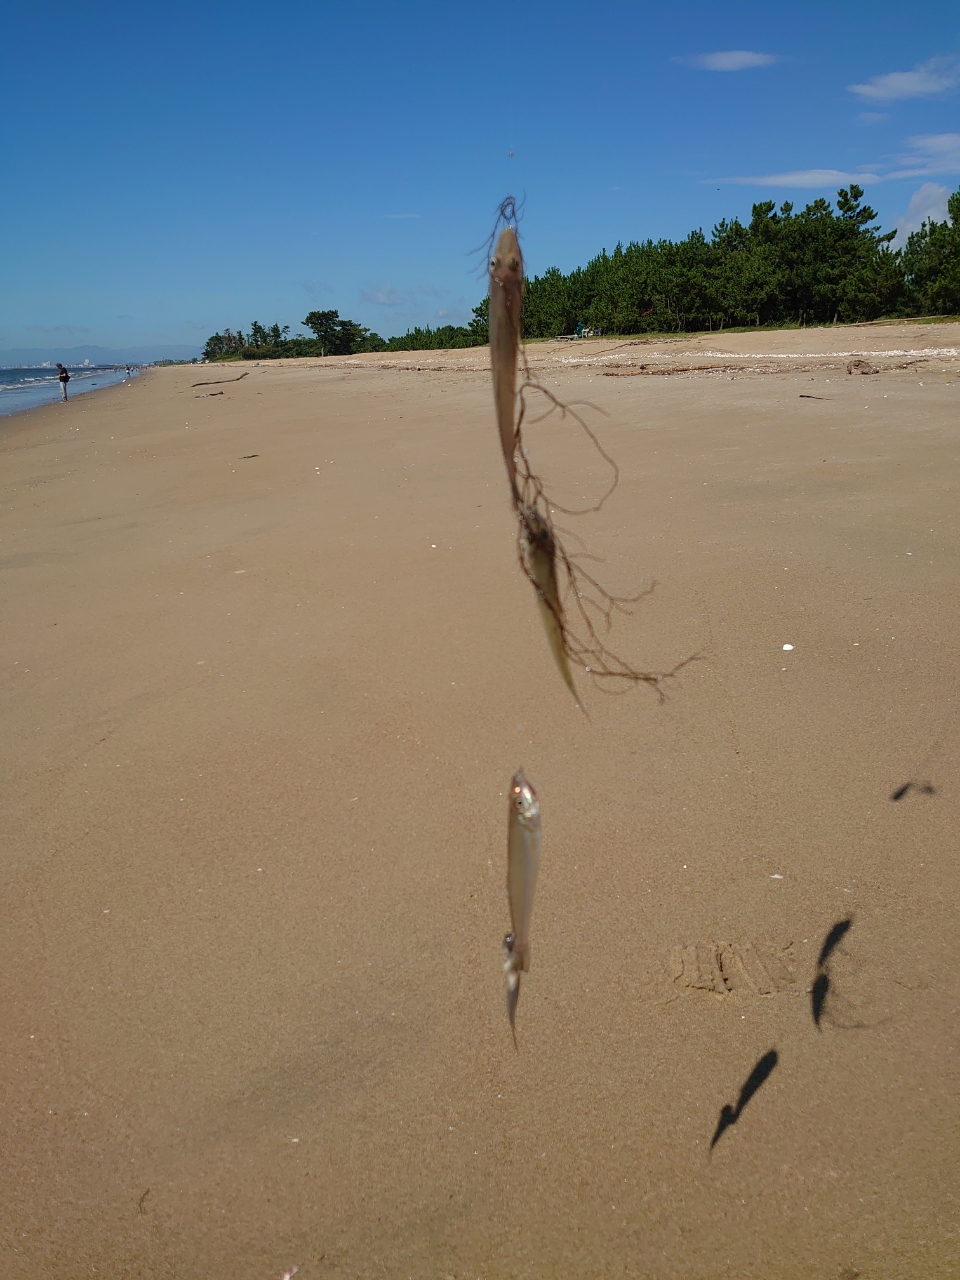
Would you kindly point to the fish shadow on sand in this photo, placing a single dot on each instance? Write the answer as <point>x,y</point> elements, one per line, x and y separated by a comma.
<point>826,1002</point>
<point>757,1077</point>
<point>923,787</point>
<point>821,985</point>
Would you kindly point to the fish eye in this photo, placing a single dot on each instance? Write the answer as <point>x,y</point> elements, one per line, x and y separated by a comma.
<point>513,264</point>
<point>494,263</point>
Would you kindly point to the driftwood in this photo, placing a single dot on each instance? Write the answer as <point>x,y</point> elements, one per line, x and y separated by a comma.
<point>220,381</point>
<point>666,372</point>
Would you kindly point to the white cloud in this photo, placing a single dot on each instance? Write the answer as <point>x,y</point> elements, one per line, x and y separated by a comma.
<point>462,313</point>
<point>927,204</point>
<point>803,178</point>
<point>938,75</point>
<point>730,60</point>
<point>385,296</point>
<point>930,153</point>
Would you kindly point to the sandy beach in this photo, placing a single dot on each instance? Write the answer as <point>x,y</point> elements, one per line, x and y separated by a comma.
<point>269,665</point>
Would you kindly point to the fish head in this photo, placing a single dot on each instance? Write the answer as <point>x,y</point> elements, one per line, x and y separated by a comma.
<point>523,800</point>
<point>506,265</point>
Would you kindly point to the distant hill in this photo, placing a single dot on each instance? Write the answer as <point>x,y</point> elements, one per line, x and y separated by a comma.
<point>98,355</point>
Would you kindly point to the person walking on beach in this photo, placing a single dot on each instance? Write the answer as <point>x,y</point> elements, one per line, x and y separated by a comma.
<point>64,379</point>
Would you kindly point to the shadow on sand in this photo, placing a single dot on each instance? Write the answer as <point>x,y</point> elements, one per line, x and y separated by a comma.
<point>730,1115</point>
<point>923,787</point>
<point>821,985</point>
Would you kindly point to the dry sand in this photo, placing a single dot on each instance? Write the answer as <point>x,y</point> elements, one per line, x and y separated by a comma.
<point>261,713</point>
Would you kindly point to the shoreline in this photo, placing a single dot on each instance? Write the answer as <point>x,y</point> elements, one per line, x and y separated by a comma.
<point>41,394</point>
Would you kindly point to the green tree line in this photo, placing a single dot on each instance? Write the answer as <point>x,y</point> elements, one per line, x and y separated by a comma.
<point>331,336</point>
<point>821,265</point>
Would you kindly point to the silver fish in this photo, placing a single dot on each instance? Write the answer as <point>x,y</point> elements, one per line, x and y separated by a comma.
<point>506,301</point>
<point>523,867</point>
<point>539,550</point>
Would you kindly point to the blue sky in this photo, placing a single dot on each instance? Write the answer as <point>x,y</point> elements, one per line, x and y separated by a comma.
<point>170,170</point>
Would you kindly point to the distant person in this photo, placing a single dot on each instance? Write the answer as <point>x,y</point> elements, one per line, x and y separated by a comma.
<point>64,379</point>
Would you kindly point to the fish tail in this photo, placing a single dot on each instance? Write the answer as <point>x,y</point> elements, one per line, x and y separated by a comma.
<point>513,965</point>
<point>555,637</point>
<point>513,995</point>
<point>564,666</point>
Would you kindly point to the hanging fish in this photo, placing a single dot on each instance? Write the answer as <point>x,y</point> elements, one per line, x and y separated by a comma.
<point>573,639</point>
<point>523,867</point>
<point>506,301</point>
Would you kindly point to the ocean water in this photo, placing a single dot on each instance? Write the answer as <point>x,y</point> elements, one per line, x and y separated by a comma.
<point>28,388</point>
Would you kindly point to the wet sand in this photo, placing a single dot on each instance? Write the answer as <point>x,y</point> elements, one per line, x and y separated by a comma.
<point>268,667</point>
